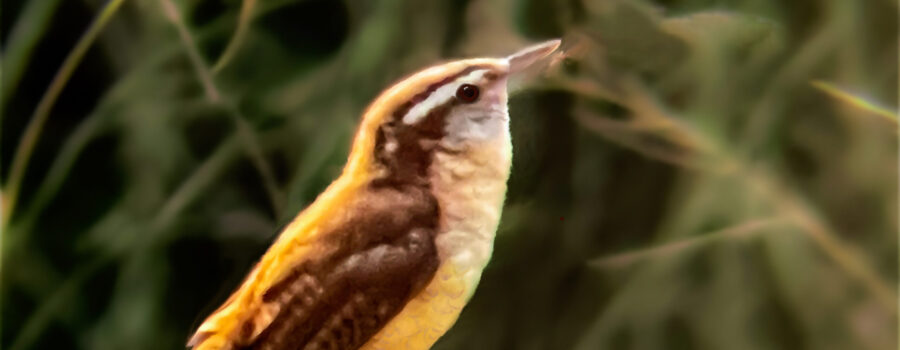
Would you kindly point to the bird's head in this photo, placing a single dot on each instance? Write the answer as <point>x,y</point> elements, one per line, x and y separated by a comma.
<point>449,107</point>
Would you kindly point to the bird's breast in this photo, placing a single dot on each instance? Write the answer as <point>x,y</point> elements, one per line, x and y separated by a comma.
<point>470,188</point>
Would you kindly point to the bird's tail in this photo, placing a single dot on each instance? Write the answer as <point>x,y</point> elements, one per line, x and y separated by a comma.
<point>223,328</point>
<point>215,332</point>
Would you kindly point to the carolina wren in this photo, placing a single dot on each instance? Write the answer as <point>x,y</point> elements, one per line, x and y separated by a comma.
<point>389,254</point>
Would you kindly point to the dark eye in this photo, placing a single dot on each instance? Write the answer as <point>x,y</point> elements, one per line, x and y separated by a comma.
<point>467,93</point>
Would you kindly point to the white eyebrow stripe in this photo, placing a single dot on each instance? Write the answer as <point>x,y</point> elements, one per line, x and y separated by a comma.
<point>441,96</point>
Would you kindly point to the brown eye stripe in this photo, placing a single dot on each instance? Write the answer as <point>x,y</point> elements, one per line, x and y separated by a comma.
<point>422,96</point>
<point>408,163</point>
<point>491,76</point>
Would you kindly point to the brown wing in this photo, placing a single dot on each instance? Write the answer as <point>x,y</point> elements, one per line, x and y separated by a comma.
<point>385,256</point>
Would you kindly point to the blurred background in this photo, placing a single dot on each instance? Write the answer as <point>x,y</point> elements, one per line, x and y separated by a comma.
<point>688,174</point>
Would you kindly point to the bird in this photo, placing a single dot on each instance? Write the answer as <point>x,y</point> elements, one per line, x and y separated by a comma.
<point>392,250</point>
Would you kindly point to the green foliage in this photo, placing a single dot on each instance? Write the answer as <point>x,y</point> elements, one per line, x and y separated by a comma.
<point>687,175</point>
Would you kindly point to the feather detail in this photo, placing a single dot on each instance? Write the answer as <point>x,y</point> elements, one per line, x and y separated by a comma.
<point>244,315</point>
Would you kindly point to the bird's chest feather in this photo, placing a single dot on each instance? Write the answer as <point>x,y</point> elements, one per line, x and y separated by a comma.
<point>470,188</point>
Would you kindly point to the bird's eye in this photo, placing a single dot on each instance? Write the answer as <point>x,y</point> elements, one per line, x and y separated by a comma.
<point>467,93</point>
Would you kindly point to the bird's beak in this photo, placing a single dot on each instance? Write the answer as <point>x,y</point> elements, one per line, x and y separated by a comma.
<point>529,55</point>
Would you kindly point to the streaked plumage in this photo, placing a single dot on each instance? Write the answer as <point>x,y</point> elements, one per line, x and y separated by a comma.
<point>389,254</point>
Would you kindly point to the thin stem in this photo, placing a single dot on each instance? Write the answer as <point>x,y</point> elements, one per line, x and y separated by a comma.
<point>622,133</point>
<point>186,193</point>
<point>859,102</point>
<point>238,38</point>
<point>187,40</point>
<point>798,67</point>
<point>45,313</point>
<point>245,132</point>
<point>39,118</point>
<point>23,38</point>
<point>191,188</point>
<point>742,230</point>
<point>842,253</point>
<point>786,200</point>
<point>86,131</point>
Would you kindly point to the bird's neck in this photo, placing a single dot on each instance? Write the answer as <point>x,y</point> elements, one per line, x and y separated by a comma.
<point>470,187</point>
